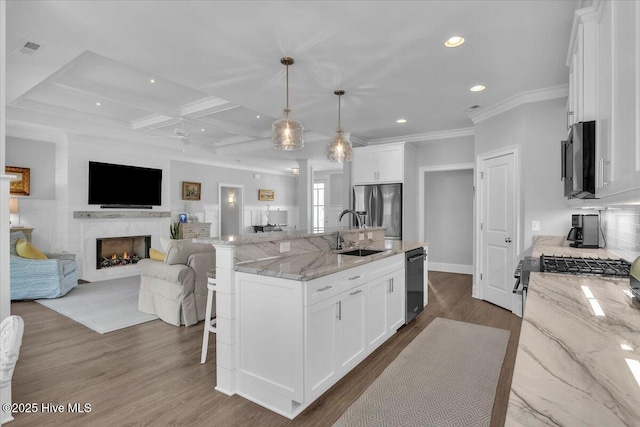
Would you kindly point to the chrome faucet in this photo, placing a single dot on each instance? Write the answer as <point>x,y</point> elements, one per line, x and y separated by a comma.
<point>340,239</point>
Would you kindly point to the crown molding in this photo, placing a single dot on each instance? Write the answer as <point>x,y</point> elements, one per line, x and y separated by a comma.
<point>518,100</point>
<point>425,137</point>
<point>589,13</point>
<point>356,140</point>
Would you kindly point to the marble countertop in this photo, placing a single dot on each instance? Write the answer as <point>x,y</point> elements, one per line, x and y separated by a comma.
<point>559,246</point>
<point>574,367</point>
<point>317,264</point>
<point>277,235</point>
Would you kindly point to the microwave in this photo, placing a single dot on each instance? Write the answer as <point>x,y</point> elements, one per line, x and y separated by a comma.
<point>578,154</point>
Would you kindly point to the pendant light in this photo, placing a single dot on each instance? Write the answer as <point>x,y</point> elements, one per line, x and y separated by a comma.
<point>287,133</point>
<point>340,148</point>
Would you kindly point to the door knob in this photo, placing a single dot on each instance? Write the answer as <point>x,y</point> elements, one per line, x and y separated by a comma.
<point>507,239</point>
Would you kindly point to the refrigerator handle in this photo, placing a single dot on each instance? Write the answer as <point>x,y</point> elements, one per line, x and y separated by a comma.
<point>379,203</point>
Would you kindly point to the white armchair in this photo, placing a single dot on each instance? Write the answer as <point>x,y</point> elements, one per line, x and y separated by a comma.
<point>176,289</point>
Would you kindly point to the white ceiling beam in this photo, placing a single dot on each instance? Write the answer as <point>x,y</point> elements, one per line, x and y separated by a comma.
<point>68,113</point>
<point>113,94</point>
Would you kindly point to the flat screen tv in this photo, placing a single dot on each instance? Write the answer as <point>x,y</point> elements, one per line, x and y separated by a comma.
<point>121,186</point>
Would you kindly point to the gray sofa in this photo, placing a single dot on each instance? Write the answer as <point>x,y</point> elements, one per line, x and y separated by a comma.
<point>176,289</point>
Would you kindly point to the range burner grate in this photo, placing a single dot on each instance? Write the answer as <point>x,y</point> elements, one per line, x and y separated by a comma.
<point>580,265</point>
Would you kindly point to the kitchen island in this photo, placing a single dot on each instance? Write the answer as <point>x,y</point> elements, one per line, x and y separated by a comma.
<point>295,315</point>
<point>576,362</point>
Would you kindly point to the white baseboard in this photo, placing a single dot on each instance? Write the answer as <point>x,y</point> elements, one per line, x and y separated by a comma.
<point>450,268</point>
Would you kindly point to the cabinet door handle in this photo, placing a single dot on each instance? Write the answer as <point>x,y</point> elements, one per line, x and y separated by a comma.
<point>326,288</point>
<point>354,277</point>
<point>356,292</point>
<point>393,289</point>
<point>339,310</point>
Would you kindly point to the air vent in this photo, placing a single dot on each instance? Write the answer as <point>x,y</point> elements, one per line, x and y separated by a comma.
<point>473,107</point>
<point>27,47</point>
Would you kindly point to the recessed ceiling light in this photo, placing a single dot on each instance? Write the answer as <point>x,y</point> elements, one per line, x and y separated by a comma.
<point>454,41</point>
<point>202,129</point>
<point>152,80</point>
<point>257,117</point>
<point>98,104</point>
<point>477,88</point>
<point>400,121</point>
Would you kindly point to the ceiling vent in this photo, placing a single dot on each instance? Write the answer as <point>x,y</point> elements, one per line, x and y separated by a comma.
<point>470,109</point>
<point>27,47</point>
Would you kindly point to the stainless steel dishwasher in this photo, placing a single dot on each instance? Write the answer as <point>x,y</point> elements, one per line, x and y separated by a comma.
<point>414,275</point>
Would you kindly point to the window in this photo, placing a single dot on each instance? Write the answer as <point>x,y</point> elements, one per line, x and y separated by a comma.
<point>318,206</point>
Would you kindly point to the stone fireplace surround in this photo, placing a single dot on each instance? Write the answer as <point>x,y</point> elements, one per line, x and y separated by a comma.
<point>102,224</point>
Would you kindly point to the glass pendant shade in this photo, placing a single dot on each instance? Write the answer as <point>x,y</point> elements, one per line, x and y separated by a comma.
<point>340,149</point>
<point>287,134</point>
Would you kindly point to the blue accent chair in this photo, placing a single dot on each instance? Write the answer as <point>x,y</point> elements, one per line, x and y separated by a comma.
<point>40,278</point>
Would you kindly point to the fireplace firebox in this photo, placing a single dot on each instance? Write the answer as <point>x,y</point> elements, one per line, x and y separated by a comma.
<point>121,251</point>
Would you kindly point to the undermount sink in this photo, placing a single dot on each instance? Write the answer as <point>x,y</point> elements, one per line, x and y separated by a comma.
<point>361,252</point>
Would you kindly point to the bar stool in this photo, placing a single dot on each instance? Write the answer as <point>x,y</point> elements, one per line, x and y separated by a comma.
<point>209,323</point>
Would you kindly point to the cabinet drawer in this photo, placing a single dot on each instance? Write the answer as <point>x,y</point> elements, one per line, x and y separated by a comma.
<point>319,290</point>
<point>328,286</point>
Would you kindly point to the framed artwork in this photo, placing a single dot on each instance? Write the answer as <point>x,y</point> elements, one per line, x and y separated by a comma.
<point>191,190</point>
<point>20,185</point>
<point>266,195</point>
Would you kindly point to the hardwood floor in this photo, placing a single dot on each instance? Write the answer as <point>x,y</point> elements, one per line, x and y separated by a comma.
<point>151,374</point>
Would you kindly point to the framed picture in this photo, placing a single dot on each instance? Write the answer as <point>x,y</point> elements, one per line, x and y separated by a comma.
<point>20,185</point>
<point>191,190</point>
<point>266,195</point>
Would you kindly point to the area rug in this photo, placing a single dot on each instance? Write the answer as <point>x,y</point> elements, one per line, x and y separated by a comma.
<point>103,306</point>
<point>447,376</point>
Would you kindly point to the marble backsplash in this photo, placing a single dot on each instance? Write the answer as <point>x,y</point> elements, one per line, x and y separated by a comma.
<point>262,249</point>
<point>621,229</point>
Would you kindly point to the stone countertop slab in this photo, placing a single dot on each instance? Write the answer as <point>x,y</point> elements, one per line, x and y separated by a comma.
<point>559,246</point>
<point>573,367</point>
<point>278,235</point>
<point>317,264</point>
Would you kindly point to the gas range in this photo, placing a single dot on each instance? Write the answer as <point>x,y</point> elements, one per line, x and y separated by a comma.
<point>588,266</point>
<point>567,265</point>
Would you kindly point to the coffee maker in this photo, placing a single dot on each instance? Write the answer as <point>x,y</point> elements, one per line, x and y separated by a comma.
<point>585,231</point>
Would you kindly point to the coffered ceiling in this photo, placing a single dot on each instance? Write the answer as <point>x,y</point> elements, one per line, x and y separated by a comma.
<point>132,69</point>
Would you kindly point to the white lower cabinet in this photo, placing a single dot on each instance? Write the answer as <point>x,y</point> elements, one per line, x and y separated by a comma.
<point>351,348</point>
<point>396,302</point>
<point>324,326</point>
<point>385,307</point>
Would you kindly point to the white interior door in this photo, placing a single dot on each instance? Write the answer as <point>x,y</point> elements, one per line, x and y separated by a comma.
<point>498,220</point>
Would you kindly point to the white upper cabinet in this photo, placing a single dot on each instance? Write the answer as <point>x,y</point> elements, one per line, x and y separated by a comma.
<point>378,164</point>
<point>605,86</point>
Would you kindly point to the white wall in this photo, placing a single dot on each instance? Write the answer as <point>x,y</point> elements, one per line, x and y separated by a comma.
<point>36,208</point>
<point>448,202</point>
<point>38,156</point>
<point>284,186</point>
<point>449,219</point>
<point>537,128</point>
<point>446,151</point>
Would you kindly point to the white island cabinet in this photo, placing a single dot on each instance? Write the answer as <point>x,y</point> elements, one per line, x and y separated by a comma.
<point>298,338</point>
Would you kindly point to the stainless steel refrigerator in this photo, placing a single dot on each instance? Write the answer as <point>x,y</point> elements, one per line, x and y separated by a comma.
<point>382,204</point>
